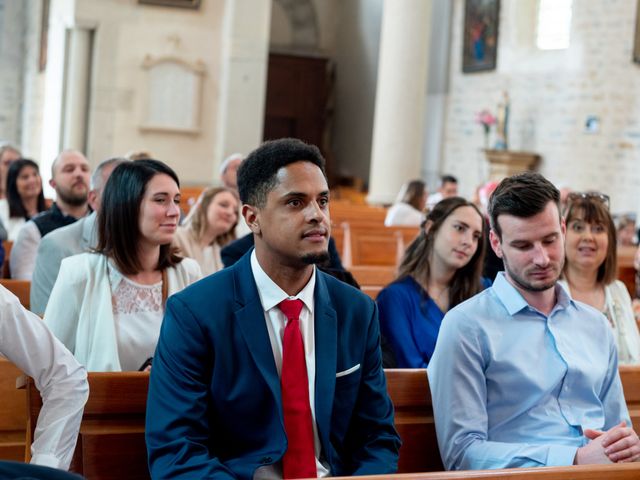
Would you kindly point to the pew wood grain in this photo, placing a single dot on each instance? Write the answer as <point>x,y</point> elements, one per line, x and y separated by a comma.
<point>13,413</point>
<point>111,441</point>
<point>20,288</point>
<point>579,472</point>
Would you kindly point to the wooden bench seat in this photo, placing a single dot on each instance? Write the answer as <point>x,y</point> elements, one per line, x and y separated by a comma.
<point>20,288</point>
<point>6,271</point>
<point>626,272</point>
<point>111,441</point>
<point>13,413</point>
<point>628,471</point>
<point>374,245</point>
<point>373,275</point>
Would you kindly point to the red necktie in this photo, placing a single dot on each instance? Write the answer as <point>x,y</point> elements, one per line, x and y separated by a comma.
<point>299,460</point>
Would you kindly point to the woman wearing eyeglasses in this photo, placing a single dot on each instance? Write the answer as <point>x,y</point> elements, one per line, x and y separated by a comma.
<point>590,269</point>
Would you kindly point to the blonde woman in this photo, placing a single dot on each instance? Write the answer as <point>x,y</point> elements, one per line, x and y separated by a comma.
<point>210,228</point>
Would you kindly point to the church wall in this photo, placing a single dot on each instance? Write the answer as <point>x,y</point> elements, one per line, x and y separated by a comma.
<point>32,82</point>
<point>357,46</point>
<point>12,23</point>
<point>125,33</point>
<point>552,94</point>
<point>348,34</point>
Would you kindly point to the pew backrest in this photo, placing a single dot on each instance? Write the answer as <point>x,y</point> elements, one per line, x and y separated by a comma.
<point>111,441</point>
<point>20,288</point>
<point>622,471</point>
<point>6,271</point>
<point>13,413</point>
<point>630,377</point>
<point>409,392</point>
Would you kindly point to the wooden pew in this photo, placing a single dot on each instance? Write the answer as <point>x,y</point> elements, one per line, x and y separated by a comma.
<point>189,196</point>
<point>13,413</point>
<point>409,392</point>
<point>344,211</point>
<point>626,273</point>
<point>375,245</point>
<point>373,275</point>
<point>579,472</point>
<point>20,288</point>
<point>111,443</point>
<point>6,272</point>
<point>373,278</point>
<point>630,376</point>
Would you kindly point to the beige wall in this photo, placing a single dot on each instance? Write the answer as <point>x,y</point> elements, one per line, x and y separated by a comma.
<point>125,33</point>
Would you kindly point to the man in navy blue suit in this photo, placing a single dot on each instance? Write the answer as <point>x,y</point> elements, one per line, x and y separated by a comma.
<point>271,368</point>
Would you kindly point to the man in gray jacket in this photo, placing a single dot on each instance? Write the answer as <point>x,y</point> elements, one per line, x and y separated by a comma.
<point>79,237</point>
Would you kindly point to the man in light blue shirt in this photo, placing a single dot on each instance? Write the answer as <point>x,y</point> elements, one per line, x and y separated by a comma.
<point>522,375</point>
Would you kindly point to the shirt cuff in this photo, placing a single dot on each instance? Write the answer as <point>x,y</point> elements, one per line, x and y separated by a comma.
<point>561,455</point>
<point>45,460</point>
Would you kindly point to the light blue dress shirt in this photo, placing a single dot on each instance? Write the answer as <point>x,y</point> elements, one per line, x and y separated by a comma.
<point>512,387</point>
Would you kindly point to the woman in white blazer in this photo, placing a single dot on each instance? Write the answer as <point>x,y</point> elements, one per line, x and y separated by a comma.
<point>107,306</point>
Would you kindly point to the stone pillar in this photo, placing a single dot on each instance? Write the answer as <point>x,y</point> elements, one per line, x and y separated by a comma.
<point>398,135</point>
<point>243,77</point>
<point>76,89</point>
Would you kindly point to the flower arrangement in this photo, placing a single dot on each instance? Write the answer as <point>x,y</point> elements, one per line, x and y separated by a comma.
<point>486,119</point>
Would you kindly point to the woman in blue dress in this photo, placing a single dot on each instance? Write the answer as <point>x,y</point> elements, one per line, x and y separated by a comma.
<point>440,269</point>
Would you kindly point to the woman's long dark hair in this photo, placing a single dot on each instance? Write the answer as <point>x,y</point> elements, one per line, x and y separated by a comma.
<point>16,207</point>
<point>119,215</point>
<point>415,263</point>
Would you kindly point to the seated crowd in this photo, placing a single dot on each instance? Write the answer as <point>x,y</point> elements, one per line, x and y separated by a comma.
<point>273,367</point>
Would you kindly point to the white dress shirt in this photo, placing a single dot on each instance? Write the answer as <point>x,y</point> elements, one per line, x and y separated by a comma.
<point>403,215</point>
<point>270,297</point>
<point>61,380</point>
<point>11,224</point>
<point>24,251</point>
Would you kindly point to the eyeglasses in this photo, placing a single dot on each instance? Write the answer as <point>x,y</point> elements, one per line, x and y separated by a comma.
<point>597,196</point>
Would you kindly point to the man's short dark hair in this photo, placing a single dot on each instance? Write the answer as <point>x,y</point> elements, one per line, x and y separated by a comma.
<point>257,173</point>
<point>523,195</point>
<point>448,179</point>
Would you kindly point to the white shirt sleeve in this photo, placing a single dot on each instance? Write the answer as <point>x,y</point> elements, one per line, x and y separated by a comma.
<point>24,251</point>
<point>61,380</point>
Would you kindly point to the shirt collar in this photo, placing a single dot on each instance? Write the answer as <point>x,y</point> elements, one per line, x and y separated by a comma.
<point>271,294</point>
<point>513,300</point>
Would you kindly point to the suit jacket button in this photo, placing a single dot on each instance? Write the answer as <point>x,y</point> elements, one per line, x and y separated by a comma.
<point>265,460</point>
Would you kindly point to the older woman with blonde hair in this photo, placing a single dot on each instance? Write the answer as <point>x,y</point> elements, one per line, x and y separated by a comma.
<point>210,227</point>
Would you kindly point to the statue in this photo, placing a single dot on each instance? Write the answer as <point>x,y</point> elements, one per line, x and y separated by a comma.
<point>502,124</point>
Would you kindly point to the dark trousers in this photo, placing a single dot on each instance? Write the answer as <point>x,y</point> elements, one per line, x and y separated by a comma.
<point>26,471</point>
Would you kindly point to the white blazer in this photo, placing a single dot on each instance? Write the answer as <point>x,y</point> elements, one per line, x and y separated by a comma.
<point>80,312</point>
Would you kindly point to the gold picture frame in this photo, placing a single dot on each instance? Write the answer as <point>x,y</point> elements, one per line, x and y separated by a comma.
<point>193,4</point>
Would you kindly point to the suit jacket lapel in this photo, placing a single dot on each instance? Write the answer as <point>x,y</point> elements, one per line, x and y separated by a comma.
<point>249,317</point>
<point>326,358</point>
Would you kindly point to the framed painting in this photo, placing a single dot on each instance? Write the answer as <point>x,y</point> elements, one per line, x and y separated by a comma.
<point>480,45</point>
<point>636,38</point>
<point>172,3</point>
